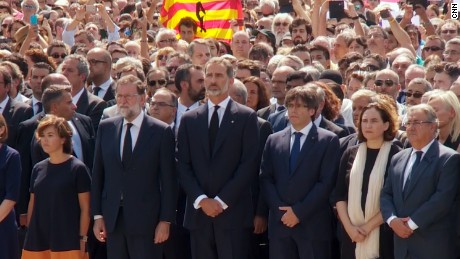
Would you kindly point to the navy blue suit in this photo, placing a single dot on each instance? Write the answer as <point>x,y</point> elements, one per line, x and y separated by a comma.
<point>306,190</point>
<point>227,172</point>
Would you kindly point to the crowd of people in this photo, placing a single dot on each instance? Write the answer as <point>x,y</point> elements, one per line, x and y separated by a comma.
<point>313,133</point>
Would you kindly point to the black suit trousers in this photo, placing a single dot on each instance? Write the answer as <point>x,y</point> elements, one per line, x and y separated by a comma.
<point>213,243</point>
<point>299,248</point>
<point>122,246</point>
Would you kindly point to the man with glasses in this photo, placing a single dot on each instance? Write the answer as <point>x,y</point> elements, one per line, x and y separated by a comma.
<point>387,82</point>
<point>134,184</point>
<point>417,200</point>
<point>449,30</point>
<point>174,61</point>
<point>415,90</point>
<point>189,81</point>
<point>29,8</point>
<point>166,38</point>
<point>163,106</point>
<point>76,69</point>
<point>452,52</point>
<point>434,45</point>
<point>57,50</point>
<point>100,70</point>
<point>377,40</point>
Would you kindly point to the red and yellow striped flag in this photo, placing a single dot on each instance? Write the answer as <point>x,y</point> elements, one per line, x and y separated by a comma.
<point>212,16</point>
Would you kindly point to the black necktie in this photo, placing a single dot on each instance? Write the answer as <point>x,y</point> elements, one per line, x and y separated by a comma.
<point>280,108</point>
<point>127,146</point>
<point>418,158</point>
<point>188,109</point>
<point>213,127</point>
<point>40,107</point>
<point>96,90</point>
<point>295,151</point>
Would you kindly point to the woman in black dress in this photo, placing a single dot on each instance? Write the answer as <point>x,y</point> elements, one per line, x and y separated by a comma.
<point>10,177</point>
<point>58,214</point>
<point>362,172</point>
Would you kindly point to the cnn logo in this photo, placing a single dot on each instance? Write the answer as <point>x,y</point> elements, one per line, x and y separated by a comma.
<point>454,11</point>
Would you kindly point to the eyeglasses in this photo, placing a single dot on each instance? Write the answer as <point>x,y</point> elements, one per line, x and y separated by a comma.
<point>450,52</point>
<point>408,124</point>
<point>95,61</point>
<point>170,69</point>
<point>282,23</point>
<point>128,97</point>
<point>432,48</point>
<point>161,104</point>
<point>168,41</point>
<point>29,6</point>
<point>449,31</point>
<point>387,82</point>
<point>157,82</point>
<point>162,57</point>
<point>416,94</point>
<point>56,55</point>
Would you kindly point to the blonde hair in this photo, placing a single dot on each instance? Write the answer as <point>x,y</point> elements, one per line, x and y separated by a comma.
<point>450,100</point>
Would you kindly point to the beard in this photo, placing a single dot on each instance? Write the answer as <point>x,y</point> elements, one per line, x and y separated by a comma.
<point>129,113</point>
<point>196,95</point>
<point>218,92</point>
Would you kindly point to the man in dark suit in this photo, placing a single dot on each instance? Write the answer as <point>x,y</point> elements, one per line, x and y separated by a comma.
<point>217,151</point>
<point>298,172</point>
<point>14,112</point>
<point>38,72</point>
<point>417,200</point>
<point>279,80</point>
<point>76,69</point>
<point>100,71</point>
<point>57,100</point>
<point>134,186</point>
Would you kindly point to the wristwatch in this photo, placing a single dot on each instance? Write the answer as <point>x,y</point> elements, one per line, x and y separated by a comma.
<point>84,238</point>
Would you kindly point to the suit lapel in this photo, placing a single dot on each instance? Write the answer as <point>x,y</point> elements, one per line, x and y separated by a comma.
<point>226,126</point>
<point>203,128</point>
<point>82,102</point>
<point>400,169</point>
<point>118,129</point>
<point>426,160</point>
<point>8,111</point>
<point>109,94</point>
<point>286,148</point>
<point>145,133</point>
<point>307,147</point>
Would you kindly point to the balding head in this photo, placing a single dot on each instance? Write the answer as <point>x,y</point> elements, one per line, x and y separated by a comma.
<point>54,79</point>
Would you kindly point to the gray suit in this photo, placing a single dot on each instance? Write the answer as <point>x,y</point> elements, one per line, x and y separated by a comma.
<point>428,201</point>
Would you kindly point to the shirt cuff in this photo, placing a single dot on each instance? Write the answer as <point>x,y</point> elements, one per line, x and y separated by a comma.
<point>98,217</point>
<point>390,219</point>
<point>196,204</point>
<point>412,224</point>
<point>222,203</point>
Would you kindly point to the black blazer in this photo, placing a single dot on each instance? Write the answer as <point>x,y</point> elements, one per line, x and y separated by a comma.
<point>92,106</point>
<point>15,113</point>
<point>85,129</point>
<point>227,172</point>
<point>329,125</point>
<point>265,130</point>
<point>148,183</point>
<point>110,94</point>
<point>428,200</point>
<point>307,189</point>
<point>265,112</point>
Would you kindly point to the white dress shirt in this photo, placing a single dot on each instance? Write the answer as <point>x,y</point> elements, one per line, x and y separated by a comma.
<point>104,88</point>
<point>137,122</point>
<point>76,142</point>
<point>181,109</point>
<point>304,132</point>
<point>77,96</point>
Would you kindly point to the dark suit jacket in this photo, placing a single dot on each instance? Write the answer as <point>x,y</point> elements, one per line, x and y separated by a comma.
<point>227,172</point>
<point>26,131</point>
<point>428,200</point>
<point>15,113</point>
<point>265,130</point>
<point>307,189</point>
<point>329,125</point>
<point>265,112</point>
<point>148,183</point>
<point>110,94</point>
<point>92,106</point>
<point>85,129</point>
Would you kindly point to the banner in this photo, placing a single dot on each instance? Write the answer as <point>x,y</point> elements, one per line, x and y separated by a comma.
<point>211,16</point>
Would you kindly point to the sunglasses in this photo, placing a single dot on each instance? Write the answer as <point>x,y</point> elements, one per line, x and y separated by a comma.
<point>433,48</point>
<point>30,7</point>
<point>449,31</point>
<point>387,82</point>
<point>59,55</point>
<point>416,94</point>
<point>281,23</point>
<point>162,57</point>
<point>157,82</point>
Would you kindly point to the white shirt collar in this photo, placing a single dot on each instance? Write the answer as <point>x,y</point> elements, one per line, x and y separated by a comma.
<point>222,105</point>
<point>137,121</point>
<point>77,96</point>
<point>105,85</point>
<point>424,149</point>
<point>304,130</point>
<point>318,120</point>
<point>182,108</point>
